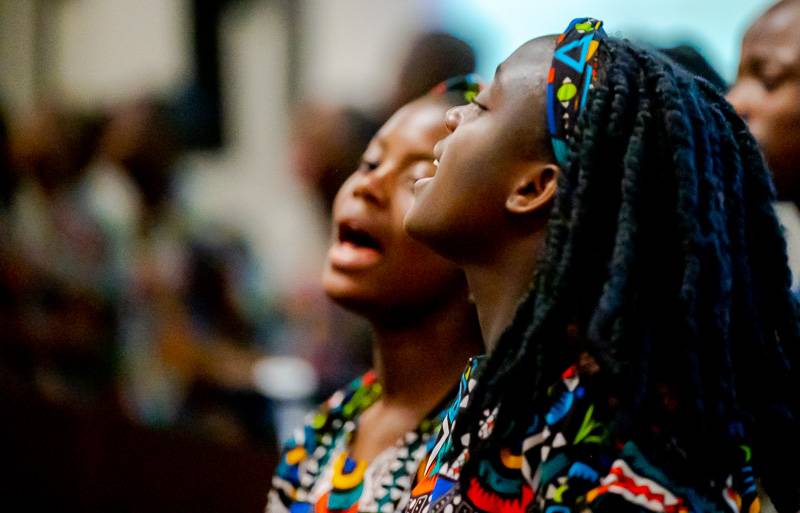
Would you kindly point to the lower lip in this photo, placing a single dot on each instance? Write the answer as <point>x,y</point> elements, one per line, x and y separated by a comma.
<point>349,257</point>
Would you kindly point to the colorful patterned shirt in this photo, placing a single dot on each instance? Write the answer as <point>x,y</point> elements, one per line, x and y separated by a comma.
<point>316,473</point>
<point>566,462</point>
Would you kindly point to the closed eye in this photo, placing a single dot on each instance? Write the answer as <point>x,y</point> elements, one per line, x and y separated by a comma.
<point>368,165</point>
<point>421,168</point>
<point>772,81</point>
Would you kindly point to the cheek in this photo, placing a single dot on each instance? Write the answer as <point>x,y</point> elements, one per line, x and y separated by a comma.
<point>414,265</point>
<point>779,117</point>
<point>419,274</point>
<point>402,201</point>
<point>470,162</point>
<point>775,128</point>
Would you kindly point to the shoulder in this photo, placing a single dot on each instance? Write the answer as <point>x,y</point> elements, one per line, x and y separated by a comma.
<point>335,415</point>
<point>306,453</point>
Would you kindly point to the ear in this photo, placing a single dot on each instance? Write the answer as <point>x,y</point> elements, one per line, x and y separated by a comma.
<point>534,189</point>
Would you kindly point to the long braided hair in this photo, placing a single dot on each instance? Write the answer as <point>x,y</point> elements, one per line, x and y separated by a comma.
<point>664,254</point>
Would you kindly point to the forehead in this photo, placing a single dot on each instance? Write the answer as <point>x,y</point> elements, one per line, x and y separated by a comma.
<point>775,35</point>
<point>415,124</point>
<point>527,67</point>
<point>519,91</point>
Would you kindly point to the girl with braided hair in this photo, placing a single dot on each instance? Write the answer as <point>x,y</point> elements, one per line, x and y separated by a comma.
<point>613,216</point>
<point>360,451</point>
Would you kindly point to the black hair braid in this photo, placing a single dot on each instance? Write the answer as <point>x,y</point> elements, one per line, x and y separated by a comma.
<point>664,251</point>
<point>566,222</point>
<point>713,282</point>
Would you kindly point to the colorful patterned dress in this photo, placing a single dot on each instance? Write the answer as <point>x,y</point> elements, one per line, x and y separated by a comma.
<point>316,473</point>
<point>567,462</point>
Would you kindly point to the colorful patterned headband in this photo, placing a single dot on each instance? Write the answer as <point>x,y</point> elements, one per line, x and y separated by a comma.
<point>470,85</point>
<point>572,74</point>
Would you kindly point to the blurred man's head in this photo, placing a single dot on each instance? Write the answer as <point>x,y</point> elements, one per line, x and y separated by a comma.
<point>52,146</point>
<point>767,92</point>
<point>432,58</point>
<point>141,140</point>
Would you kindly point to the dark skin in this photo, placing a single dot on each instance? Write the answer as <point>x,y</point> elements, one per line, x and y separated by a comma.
<point>425,328</point>
<point>486,207</point>
<point>767,92</point>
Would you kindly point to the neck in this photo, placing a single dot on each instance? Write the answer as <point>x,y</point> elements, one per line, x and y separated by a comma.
<point>499,283</point>
<point>418,362</point>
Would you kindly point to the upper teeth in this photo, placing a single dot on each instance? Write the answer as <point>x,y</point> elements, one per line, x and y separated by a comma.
<point>436,162</point>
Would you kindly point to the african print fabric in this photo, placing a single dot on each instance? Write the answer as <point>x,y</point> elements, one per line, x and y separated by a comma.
<point>571,76</point>
<point>316,474</point>
<point>566,462</point>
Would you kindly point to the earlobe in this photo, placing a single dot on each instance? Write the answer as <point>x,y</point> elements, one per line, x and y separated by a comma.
<point>534,190</point>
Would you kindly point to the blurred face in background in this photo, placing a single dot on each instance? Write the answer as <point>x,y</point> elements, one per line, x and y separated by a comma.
<point>140,140</point>
<point>52,146</point>
<point>373,267</point>
<point>767,92</point>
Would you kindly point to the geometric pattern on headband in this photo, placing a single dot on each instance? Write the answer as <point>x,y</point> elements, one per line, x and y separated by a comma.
<point>571,77</point>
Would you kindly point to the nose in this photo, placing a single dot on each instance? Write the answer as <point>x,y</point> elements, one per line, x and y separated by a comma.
<point>371,186</point>
<point>452,117</point>
<point>741,101</point>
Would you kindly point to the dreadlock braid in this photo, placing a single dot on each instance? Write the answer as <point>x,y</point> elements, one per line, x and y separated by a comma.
<point>664,252</point>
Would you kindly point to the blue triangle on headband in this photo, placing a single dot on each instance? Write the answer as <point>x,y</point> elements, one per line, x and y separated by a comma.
<point>562,53</point>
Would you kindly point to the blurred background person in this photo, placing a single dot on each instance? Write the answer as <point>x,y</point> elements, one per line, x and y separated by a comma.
<point>767,95</point>
<point>187,322</point>
<point>362,448</point>
<point>60,269</point>
<point>327,141</point>
<point>13,351</point>
<point>693,61</point>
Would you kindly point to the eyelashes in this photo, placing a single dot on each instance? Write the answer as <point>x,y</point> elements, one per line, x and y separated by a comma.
<point>414,170</point>
<point>368,165</point>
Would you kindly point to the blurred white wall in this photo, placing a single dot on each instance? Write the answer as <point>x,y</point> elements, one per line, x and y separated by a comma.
<point>498,27</point>
<point>17,49</point>
<point>89,53</point>
<point>351,49</point>
<point>248,184</point>
<point>276,212</point>
<point>105,51</point>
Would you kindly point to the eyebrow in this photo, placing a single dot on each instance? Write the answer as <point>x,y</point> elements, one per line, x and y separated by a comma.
<point>378,140</point>
<point>498,69</point>
<point>761,57</point>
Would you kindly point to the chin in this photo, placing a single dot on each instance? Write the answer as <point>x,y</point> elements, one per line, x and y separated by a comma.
<point>347,298</point>
<point>420,228</point>
<point>415,224</point>
<point>336,285</point>
<point>346,292</point>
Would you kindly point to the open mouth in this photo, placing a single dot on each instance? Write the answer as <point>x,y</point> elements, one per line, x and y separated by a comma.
<point>357,237</point>
<point>354,249</point>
